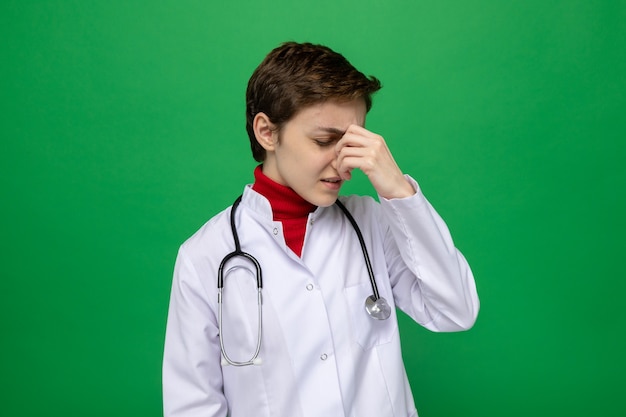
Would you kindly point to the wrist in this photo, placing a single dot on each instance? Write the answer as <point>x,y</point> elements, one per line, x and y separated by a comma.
<point>404,190</point>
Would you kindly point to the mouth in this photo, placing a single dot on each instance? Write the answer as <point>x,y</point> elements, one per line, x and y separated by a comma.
<point>332,183</point>
<point>332,180</point>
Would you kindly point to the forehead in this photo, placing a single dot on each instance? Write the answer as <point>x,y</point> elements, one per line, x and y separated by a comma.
<point>332,114</point>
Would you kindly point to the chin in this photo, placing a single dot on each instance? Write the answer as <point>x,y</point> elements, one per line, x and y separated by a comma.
<point>325,201</point>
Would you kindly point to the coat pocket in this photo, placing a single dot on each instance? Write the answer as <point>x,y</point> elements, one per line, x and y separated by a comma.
<point>368,331</point>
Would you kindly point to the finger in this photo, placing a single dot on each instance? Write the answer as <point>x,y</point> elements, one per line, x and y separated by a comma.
<point>360,130</point>
<point>349,140</point>
<point>352,140</point>
<point>356,131</point>
<point>353,157</point>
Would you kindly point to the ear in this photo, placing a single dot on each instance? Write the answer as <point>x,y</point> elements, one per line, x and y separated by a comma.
<point>265,131</point>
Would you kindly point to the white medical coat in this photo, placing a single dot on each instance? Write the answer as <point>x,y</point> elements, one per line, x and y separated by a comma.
<point>322,355</point>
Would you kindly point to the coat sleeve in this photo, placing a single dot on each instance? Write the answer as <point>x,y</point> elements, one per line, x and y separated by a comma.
<point>431,280</point>
<point>192,375</point>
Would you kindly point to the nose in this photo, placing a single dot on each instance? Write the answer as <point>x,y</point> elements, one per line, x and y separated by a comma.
<point>333,158</point>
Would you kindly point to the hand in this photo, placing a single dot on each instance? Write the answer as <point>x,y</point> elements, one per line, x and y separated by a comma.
<point>367,151</point>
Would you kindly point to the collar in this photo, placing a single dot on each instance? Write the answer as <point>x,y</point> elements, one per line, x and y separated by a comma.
<point>284,201</point>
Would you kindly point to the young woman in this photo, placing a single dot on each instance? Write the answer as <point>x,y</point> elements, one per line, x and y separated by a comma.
<point>305,321</point>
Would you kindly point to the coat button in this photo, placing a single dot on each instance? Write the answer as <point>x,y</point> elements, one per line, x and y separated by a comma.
<point>275,231</point>
<point>323,356</point>
<point>310,287</point>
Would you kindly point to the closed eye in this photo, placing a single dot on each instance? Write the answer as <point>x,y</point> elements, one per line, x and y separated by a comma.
<point>325,142</point>
<point>325,136</point>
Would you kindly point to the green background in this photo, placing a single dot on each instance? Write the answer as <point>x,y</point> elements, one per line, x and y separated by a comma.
<point>122,128</point>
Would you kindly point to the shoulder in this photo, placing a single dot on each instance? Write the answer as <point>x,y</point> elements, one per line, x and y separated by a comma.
<point>365,210</point>
<point>209,235</point>
<point>360,205</point>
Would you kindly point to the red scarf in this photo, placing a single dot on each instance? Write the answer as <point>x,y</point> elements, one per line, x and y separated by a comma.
<point>287,207</point>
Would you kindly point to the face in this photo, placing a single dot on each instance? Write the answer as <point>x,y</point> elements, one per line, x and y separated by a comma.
<point>303,152</point>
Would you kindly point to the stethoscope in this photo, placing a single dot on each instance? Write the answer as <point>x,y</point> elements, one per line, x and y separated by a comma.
<point>375,305</point>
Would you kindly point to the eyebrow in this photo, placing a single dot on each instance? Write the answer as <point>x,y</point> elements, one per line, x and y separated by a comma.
<point>333,130</point>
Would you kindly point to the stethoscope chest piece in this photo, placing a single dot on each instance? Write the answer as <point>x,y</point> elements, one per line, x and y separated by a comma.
<point>378,309</point>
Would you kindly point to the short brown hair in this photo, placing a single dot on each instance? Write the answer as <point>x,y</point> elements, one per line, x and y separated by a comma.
<point>297,75</point>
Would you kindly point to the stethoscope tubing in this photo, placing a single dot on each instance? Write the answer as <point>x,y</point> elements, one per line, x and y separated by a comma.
<point>373,302</point>
<point>237,252</point>
<point>220,288</point>
<point>368,264</point>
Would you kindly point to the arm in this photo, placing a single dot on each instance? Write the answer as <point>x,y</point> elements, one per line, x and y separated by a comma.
<point>432,282</point>
<point>192,375</point>
<point>431,279</point>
